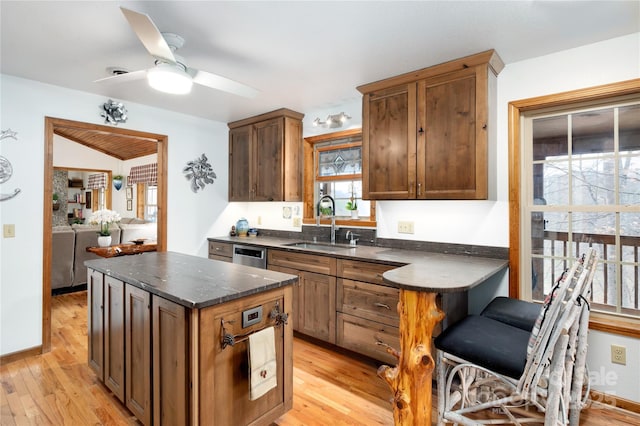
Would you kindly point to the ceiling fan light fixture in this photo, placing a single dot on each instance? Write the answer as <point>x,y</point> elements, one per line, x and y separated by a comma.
<point>169,78</point>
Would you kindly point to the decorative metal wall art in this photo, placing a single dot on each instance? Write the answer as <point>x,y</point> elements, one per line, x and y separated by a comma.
<point>6,170</point>
<point>113,112</point>
<point>200,172</point>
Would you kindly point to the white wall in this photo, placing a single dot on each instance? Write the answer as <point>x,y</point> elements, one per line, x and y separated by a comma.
<point>193,217</point>
<point>24,104</point>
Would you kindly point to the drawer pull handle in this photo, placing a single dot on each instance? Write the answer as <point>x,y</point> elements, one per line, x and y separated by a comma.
<point>382,305</point>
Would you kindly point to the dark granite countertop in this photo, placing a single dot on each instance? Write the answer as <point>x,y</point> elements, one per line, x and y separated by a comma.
<point>417,270</point>
<point>191,281</point>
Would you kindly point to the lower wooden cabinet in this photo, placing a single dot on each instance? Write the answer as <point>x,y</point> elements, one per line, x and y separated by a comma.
<point>95,332</point>
<point>167,363</point>
<point>221,251</point>
<point>367,337</point>
<point>114,330</point>
<point>138,352</point>
<point>314,297</point>
<point>170,348</point>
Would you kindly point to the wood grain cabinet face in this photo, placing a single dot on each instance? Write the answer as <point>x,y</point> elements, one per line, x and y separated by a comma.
<point>388,147</point>
<point>265,157</point>
<point>114,331</point>
<point>95,307</point>
<point>426,133</point>
<point>169,347</point>
<point>138,352</point>
<point>314,297</point>
<point>221,251</point>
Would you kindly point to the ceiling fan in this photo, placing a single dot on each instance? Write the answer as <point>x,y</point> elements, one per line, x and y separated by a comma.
<point>171,74</point>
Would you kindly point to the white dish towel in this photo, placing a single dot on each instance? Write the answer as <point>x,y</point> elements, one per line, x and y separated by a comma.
<point>262,363</point>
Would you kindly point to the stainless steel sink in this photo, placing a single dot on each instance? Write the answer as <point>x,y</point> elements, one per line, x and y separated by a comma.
<point>331,248</point>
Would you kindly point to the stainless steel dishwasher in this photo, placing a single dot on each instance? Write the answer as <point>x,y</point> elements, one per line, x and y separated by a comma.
<point>250,256</point>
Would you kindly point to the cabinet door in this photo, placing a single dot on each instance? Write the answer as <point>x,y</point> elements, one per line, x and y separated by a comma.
<point>317,306</point>
<point>138,352</point>
<point>170,348</point>
<point>114,336</point>
<point>451,152</point>
<point>239,163</point>
<point>95,294</point>
<point>267,162</point>
<point>389,143</point>
<point>295,316</point>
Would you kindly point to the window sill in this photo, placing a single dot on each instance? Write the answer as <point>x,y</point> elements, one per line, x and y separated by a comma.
<point>613,324</point>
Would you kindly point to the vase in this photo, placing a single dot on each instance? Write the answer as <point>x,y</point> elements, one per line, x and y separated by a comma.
<point>242,227</point>
<point>354,214</point>
<point>104,240</point>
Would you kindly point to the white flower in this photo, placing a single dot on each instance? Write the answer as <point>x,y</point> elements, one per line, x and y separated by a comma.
<point>104,216</point>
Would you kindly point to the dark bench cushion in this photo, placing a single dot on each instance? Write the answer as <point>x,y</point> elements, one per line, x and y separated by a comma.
<point>515,312</point>
<point>488,343</point>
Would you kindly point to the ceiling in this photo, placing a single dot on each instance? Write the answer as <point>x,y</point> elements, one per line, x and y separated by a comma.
<point>121,146</point>
<point>306,56</point>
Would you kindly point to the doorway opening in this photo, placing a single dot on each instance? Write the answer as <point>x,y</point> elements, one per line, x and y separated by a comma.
<point>108,140</point>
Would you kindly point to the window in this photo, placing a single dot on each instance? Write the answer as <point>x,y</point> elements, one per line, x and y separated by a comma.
<point>333,166</point>
<point>575,177</point>
<point>151,202</point>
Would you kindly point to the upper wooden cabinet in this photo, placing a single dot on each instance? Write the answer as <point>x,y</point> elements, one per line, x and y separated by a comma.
<point>265,157</point>
<point>426,133</point>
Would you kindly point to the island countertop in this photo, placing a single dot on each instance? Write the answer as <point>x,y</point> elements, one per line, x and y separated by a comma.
<point>191,281</point>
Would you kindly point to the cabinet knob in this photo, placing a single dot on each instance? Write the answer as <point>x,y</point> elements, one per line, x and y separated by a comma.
<point>421,130</point>
<point>419,189</point>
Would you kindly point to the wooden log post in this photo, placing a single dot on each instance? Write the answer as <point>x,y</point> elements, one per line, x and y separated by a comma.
<point>410,380</point>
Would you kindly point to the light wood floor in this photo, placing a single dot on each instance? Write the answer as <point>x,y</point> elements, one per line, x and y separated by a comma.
<point>58,388</point>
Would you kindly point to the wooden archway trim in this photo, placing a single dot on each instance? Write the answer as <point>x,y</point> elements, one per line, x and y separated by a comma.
<point>50,126</point>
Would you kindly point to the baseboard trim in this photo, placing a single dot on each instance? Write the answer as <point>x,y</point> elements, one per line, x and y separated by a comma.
<point>615,401</point>
<point>15,356</point>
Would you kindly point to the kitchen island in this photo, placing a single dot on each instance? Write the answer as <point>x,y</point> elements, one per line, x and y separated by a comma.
<point>168,335</point>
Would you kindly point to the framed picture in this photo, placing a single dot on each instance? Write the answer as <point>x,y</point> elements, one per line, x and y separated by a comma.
<point>87,199</point>
<point>129,204</point>
<point>129,193</point>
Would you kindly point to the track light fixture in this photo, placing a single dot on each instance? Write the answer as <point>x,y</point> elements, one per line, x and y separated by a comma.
<point>332,121</point>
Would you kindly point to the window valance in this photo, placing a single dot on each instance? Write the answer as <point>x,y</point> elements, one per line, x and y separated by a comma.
<point>146,173</point>
<point>97,181</point>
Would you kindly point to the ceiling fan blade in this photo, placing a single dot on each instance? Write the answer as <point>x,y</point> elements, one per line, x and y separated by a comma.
<point>149,35</point>
<point>222,83</point>
<point>124,77</point>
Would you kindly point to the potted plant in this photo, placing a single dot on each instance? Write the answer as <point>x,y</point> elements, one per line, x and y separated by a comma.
<point>56,205</point>
<point>117,182</point>
<point>104,218</point>
<point>352,204</point>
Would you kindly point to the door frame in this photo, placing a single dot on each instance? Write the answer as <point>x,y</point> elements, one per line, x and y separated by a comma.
<point>50,125</point>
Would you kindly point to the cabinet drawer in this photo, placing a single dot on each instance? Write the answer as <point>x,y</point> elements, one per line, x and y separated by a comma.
<point>302,261</point>
<point>370,301</point>
<point>221,258</point>
<point>362,271</point>
<point>360,335</point>
<point>220,249</point>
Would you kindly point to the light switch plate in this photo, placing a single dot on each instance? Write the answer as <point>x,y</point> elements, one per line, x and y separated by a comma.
<point>9,231</point>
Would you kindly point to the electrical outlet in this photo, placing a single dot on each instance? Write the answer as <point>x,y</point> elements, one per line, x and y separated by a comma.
<point>618,354</point>
<point>9,231</point>
<point>259,220</point>
<point>297,222</point>
<point>405,227</point>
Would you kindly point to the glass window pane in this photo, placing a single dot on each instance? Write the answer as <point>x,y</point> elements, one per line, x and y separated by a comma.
<point>629,180</point>
<point>594,227</point>
<point>593,180</point>
<point>630,280</point>
<point>338,162</point>
<point>629,128</point>
<point>592,131</point>
<point>553,185</point>
<point>549,137</point>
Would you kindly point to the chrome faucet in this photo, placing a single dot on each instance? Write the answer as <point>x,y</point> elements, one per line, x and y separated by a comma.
<point>351,236</point>
<point>333,215</point>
